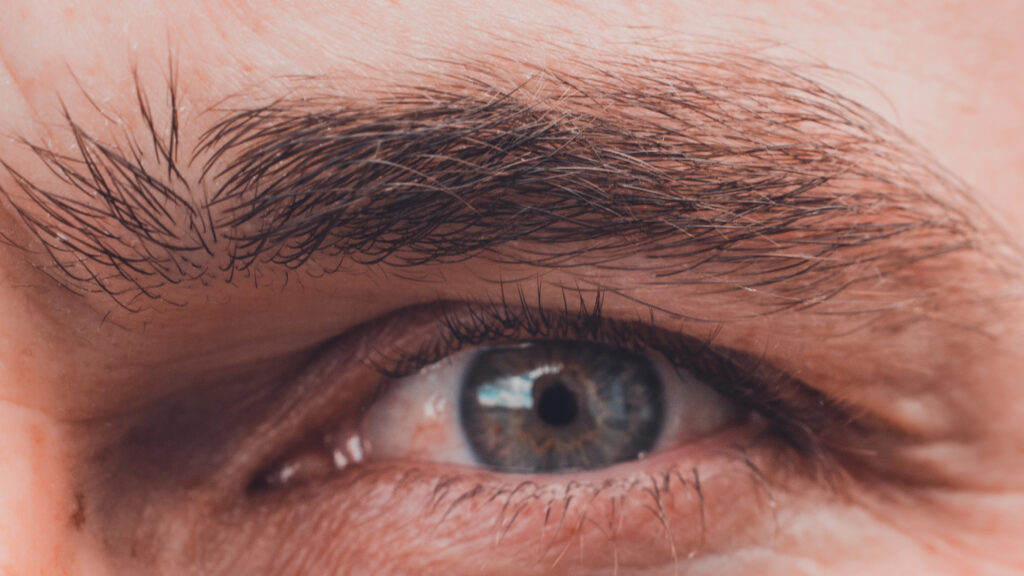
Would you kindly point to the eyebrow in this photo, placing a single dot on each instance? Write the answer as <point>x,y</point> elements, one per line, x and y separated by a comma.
<point>726,171</point>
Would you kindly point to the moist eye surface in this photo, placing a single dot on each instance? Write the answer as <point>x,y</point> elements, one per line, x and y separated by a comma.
<point>548,406</point>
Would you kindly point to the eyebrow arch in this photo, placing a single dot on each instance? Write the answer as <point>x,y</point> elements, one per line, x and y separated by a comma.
<point>723,170</point>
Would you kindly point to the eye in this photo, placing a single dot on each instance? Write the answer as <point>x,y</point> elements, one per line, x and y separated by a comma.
<point>543,406</point>
<point>503,435</point>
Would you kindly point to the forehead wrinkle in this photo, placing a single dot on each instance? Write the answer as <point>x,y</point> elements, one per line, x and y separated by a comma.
<point>729,171</point>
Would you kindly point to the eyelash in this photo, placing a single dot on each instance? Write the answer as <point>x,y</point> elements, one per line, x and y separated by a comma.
<point>799,414</point>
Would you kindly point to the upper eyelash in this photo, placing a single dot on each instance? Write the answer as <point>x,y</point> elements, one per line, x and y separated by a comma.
<point>804,417</point>
<point>467,325</point>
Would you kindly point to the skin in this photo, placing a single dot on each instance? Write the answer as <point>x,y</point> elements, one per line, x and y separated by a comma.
<point>947,74</point>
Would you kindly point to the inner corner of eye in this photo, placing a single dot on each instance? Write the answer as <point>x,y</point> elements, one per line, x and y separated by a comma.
<point>546,406</point>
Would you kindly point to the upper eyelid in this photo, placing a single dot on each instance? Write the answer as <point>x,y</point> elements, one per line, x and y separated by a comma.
<point>800,412</point>
<point>664,163</point>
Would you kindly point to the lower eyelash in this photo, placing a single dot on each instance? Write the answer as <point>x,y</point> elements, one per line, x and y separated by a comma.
<point>673,508</point>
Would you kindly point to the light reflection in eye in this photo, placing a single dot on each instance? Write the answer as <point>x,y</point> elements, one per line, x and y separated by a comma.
<point>514,391</point>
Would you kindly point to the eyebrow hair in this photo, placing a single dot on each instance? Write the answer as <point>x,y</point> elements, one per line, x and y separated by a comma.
<point>728,171</point>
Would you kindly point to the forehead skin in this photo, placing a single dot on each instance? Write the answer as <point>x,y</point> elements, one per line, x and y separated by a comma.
<point>947,73</point>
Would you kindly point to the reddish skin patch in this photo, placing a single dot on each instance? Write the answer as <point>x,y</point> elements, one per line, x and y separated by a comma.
<point>429,433</point>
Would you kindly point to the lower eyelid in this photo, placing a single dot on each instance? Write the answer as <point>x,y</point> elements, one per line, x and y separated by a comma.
<point>663,510</point>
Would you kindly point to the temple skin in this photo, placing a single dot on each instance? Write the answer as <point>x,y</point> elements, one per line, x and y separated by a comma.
<point>947,74</point>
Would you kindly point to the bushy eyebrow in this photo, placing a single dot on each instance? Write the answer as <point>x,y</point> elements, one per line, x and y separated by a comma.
<point>727,171</point>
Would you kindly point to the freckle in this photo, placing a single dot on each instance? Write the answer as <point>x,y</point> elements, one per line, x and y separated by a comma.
<point>78,512</point>
<point>37,437</point>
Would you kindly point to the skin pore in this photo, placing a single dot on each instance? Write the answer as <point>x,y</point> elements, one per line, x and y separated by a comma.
<point>818,201</point>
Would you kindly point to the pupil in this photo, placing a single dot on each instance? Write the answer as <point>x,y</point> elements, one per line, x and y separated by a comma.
<point>557,405</point>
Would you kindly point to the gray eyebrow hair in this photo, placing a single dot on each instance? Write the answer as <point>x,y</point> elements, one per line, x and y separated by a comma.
<point>726,171</point>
